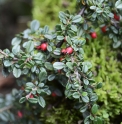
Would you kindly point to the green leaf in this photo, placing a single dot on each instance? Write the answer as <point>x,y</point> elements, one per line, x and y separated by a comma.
<point>91,117</point>
<point>51,77</point>
<point>92,7</point>
<point>41,102</point>
<point>25,71</point>
<point>46,29</point>
<point>76,18</point>
<point>97,120</point>
<point>111,35</point>
<point>68,86</point>
<point>48,36</point>
<point>94,109</point>
<point>29,46</point>
<point>16,49</point>
<point>39,91</point>
<point>68,94</point>
<point>111,15</point>
<point>16,72</point>
<point>93,97</point>
<point>4,116</point>
<point>62,15</point>
<point>116,44</point>
<point>84,93</point>
<point>7,63</point>
<point>105,115</point>
<point>85,81</point>
<point>33,69</point>
<point>76,95</point>
<point>32,100</point>
<point>70,65</point>
<point>16,41</point>
<point>99,10</point>
<point>115,39</point>
<point>49,48</point>
<point>87,121</point>
<point>57,51</point>
<point>30,84</point>
<point>99,85</point>
<point>90,74</point>
<point>35,25</point>
<point>118,4</point>
<point>26,33</point>
<point>74,28</point>
<point>60,37</point>
<point>85,26</point>
<point>85,99</point>
<point>68,40</point>
<point>89,65</point>
<point>42,75</point>
<point>84,108</point>
<point>58,65</point>
<point>41,85</point>
<point>48,65</point>
<point>84,68</point>
<point>22,100</point>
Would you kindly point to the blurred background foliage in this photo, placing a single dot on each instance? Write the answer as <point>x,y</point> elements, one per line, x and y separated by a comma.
<point>106,63</point>
<point>47,11</point>
<point>14,15</point>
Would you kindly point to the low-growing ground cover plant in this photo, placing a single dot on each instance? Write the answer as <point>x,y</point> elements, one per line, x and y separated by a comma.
<point>53,73</point>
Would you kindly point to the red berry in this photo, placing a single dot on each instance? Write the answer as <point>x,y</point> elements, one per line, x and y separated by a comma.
<point>116,17</point>
<point>53,94</point>
<point>63,51</point>
<point>43,46</point>
<point>93,35</point>
<point>19,114</point>
<point>31,96</point>
<point>69,50</point>
<point>103,29</point>
<point>59,71</point>
<point>38,47</point>
<point>61,59</point>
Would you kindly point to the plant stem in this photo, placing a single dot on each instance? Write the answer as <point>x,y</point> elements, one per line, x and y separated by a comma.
<point>82,11</point>
<point>5,108</point>
<point>3,53</point>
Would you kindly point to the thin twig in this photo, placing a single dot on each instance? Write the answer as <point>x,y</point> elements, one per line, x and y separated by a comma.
<point>3,53</point>
<point>5,108</point>
<point>82,11</point>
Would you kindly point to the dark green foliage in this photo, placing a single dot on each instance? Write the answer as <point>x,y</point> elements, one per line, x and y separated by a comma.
<point>37,52</point>
<point>29,57</point>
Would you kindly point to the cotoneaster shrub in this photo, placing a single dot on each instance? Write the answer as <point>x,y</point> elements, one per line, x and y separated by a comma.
<point>37,54</point>
<point>53,60</point>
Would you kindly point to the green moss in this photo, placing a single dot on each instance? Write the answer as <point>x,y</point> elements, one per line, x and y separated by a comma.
<point>107,70</point>
<point>47,10</point>
<point>61,115</point>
